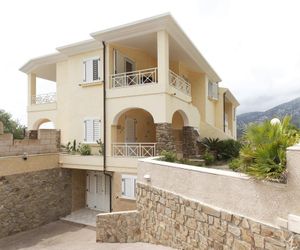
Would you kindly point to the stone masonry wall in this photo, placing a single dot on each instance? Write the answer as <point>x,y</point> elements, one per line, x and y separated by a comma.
<point>47,141</point>
<point>175,221</point>
<point>164,137</point>
<point>118,227</point>
<point>190,137</point>
<point>29,200</point>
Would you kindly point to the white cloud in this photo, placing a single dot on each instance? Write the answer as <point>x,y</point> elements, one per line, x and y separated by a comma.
<point>253,45</point>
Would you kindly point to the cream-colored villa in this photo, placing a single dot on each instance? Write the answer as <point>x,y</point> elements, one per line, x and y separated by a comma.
<point>140,88</point>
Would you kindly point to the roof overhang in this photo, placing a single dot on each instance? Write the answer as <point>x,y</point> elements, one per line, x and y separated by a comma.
<point>230,97</point>
<point>154,24</point>
<point>138,28</point>
<point>80,47</point>
<point>44,67</point>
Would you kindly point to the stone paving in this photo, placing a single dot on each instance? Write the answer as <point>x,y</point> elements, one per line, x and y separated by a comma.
<point>83,216</point>
<point>61,235</point>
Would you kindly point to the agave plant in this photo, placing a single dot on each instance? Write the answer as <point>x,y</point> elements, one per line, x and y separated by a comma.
<point>264,152</point>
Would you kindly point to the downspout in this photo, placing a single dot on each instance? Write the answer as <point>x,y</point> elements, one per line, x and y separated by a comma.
<point>104,127</point>
<point>224,126</point>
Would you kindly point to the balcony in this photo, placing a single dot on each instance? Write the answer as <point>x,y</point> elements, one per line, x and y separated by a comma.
<point>133,149</point>
<point>179,83</point>
<point>43,98</point>
<point>134,78</point>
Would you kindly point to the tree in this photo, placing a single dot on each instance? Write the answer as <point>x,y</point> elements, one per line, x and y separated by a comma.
<point>11,126</point>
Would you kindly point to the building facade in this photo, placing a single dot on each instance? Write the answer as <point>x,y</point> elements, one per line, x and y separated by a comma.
<point>139,88</point>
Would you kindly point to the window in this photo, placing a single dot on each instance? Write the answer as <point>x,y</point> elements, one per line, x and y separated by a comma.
<point>213,91</point>
<point>129,186</point>
<point>91,130</point>
<point>91,70</point>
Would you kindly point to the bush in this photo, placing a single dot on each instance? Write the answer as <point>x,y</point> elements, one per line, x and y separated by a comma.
<point>71,147</point>
<point>168,156</point>
<point>101,146</point>
<point>84,149</point>
<point>209,158</point>
<point>229,149</point>
<point>263,155</point>
<point>222,149</point>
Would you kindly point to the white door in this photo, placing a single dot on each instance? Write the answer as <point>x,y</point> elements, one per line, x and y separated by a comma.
<point>129,130</point>
<point>98,191</point>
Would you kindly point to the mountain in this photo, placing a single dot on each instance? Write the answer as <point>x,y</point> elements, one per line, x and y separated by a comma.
<point>291,108</point>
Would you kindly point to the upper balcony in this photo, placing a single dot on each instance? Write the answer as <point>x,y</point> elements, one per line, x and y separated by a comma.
<point>149,77</point>
<point>150,64</point>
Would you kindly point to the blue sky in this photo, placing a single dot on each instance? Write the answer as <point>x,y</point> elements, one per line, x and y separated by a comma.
<point>253,45</point>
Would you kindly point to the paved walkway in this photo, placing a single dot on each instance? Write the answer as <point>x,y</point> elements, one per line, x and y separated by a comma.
<point>66,236</point>
<point>83,216</point>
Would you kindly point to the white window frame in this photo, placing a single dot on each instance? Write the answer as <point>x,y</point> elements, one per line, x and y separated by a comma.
<point>214,92</point>
<point>84,130</point>
<point>100,69</point>
<point>133,181</point>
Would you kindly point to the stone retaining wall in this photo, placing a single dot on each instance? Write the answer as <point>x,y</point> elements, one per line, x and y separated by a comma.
<point>172,220</point>
<point>47,141</point>
<point>118,227</point>
<point>29,200</point>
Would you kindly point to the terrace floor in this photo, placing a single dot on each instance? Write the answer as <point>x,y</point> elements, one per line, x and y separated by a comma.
<point>61,235</point>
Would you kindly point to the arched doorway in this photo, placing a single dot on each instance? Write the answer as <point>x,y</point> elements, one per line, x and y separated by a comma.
<point>133,134</point>
<point>44,123</point>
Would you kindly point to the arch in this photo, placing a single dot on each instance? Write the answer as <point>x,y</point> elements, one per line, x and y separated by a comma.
<point>180,114</point>
<point>134,125</point>
<point>39,122</point>
<point>118,115</point>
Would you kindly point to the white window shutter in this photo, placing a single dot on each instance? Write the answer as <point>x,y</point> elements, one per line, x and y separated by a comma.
<point>96,130</point>
<point>89,130</point>
<point>84,71</point>
<point>89,70</point>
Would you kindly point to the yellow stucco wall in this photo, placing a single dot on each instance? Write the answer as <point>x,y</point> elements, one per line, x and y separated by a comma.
<point>75,103</point>
<point>11,165</point>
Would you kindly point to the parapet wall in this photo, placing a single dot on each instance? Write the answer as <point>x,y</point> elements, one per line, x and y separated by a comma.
<point>36,142</point>
<point>188,207</point>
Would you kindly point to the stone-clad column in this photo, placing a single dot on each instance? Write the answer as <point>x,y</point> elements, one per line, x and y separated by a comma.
<point>190,138</point>
<point>164,138</point>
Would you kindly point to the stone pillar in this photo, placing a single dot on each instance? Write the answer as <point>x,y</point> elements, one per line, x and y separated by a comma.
<point>31,87</point>
<point>163,57</point>
<point>190,138</point>
<point>1,128</point>
<point>164,138</point>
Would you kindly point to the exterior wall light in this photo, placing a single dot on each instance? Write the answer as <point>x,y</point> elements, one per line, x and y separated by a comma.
<point>24,156</point>
<point>147,177</point>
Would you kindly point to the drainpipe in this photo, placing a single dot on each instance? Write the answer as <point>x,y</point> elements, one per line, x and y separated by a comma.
<point>224,96</point>
<point>104,128</point>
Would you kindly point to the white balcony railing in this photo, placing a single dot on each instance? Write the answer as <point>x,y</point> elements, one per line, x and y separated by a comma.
<point>43,98</point>
<point>133,149</point>
<point>134,78</point>
<point>179,83</point>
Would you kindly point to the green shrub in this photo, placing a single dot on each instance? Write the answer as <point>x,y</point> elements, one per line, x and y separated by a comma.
<point>71,147</point>
<point>211,144</point>
<point>168,156</point>
<point>101,146</point>
<point>222,149</point>
<point>209,158</point>
<point>228,149</point>
<point>84,149</point>
<point>263,155</point>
